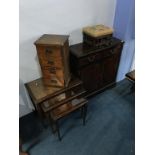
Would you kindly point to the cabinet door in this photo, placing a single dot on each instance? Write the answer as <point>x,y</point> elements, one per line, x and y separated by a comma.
<point>110,66</point>
<point>92,76</point>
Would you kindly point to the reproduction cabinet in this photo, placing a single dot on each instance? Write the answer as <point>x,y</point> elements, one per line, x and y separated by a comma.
<point>96,67</point>
<point>53,54</point>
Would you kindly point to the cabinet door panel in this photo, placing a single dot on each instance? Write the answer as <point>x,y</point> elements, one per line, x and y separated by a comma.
<point>110,66</point>
<point>92,76</point>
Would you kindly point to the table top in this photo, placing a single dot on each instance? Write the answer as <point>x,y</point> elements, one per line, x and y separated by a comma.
<point>40,92</point>
<point>51,39</point>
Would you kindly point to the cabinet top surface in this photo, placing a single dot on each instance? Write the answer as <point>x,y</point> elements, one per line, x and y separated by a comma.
<point>81,50</point>
<point>40,92</point>
<point>52,39</point>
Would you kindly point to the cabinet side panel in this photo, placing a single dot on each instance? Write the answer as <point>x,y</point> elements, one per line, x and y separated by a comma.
<point>66,69</point>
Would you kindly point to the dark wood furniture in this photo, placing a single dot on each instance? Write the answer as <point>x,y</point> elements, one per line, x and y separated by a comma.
<point>21,152</point>
<point>53,54</point>
<point>131,76</point>
<point>96,67</point>
<point>55,102</point>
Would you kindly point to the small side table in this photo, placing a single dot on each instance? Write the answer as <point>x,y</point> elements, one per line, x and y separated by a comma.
<point>57,102</point>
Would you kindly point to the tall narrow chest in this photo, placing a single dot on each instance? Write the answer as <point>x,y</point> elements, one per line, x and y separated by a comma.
<point>53,54</point>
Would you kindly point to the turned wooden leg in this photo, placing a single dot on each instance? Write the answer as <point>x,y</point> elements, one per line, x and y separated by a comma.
<point>84,114</point>
<point>57,128</point>
<point>53,126</point>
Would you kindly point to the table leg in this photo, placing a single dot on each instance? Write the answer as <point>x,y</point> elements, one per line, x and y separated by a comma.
<point>84,114</point>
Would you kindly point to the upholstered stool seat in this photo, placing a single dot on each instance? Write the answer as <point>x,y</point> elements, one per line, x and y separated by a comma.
<point>97,30</point>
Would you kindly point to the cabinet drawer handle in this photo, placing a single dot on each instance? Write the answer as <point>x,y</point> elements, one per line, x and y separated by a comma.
<point>91,59</point>
<point>112,51</point>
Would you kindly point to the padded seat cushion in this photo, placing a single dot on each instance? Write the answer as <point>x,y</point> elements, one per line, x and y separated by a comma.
<point>97,30</point>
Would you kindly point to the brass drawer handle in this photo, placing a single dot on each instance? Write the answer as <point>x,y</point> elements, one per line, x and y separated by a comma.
<point>91,59</point>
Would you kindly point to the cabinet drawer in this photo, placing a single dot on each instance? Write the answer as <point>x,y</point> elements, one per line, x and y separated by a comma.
<point>53,76</point>
<point>111,51</point>
<point>50,63</point>
<point>99,56</point>
<point>48,53</point>
<point>52,52</point>
<point>50,70</point>
<point>90,59</point>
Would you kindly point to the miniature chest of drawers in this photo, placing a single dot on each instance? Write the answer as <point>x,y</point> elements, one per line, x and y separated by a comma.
<point>96,67</point>
<point>53,54</point>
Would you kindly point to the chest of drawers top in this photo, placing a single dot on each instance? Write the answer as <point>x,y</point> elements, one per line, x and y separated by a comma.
<point>52,40</point>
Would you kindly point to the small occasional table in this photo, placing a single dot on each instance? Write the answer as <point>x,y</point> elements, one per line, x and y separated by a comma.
<point>56,102</point>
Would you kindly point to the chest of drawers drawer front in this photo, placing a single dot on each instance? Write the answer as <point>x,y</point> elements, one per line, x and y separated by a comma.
<point>47,54</point>
<point>51,70</point>
<point>52,63</point>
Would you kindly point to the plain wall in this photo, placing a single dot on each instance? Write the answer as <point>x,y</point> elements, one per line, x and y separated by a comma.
<point>38,17</point>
